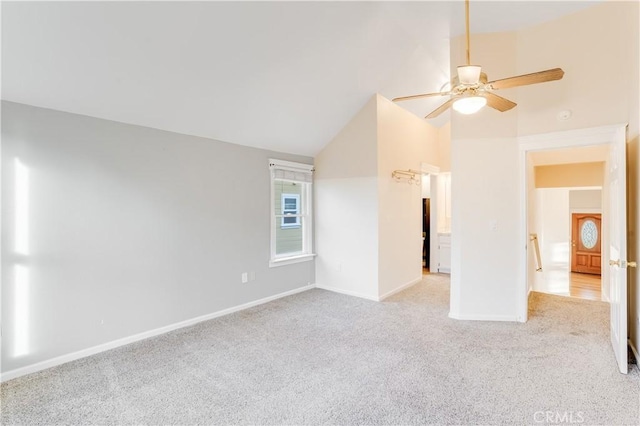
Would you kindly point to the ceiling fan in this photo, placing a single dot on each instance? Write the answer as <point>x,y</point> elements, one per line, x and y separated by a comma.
<point>471,89</point>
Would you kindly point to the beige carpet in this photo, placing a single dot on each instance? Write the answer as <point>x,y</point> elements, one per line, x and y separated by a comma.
<point>325,358</point>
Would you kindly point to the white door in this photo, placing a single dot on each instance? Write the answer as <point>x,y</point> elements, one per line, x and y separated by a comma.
<point>618,250</point>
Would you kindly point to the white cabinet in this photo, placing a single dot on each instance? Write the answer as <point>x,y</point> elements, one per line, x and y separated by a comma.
<point>444,253</point>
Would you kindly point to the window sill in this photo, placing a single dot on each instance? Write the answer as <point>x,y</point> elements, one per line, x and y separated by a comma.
<point>290,260</point>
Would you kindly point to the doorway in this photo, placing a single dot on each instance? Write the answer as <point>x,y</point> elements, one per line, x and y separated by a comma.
<point>561,269</point>
<point>614,241</point>
<point>426,235</point>
<point>430,201</point>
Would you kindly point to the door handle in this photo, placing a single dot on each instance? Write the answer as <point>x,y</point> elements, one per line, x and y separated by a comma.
<point>623,264</point>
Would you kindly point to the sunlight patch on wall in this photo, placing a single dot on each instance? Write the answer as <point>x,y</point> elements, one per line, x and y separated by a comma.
<point>21,343</point>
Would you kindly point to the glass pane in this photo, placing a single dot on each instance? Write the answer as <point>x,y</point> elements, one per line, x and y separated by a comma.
<point>589,234</point>
<point>285,187</point>
<point>288,239</point>
<point>290,205</point>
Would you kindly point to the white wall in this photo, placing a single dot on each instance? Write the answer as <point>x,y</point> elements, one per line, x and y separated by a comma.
<point>426,186</point>
<point>554,233</point>
<point>346,208</point>
<point>533,264</point>
<point>552,222</point>
<point>485,207</point>
<point>444,202</point>
<point>129,229</point>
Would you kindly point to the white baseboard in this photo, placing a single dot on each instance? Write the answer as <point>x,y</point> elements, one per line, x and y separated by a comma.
<point>399,289</point>
<point>347,292</point>
<point>43,365</point>
<point>481,317</point>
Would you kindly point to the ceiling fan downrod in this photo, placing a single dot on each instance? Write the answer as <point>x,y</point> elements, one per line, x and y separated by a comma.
<point>466,10</point>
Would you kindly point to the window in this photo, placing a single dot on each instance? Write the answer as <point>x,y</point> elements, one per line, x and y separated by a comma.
<point>290,210</point>
<point>291,214</point>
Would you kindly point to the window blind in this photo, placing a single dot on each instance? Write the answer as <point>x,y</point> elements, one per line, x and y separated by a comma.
<point>294,172</point>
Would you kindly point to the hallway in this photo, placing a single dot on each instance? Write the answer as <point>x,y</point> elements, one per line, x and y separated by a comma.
<point>572,284</point>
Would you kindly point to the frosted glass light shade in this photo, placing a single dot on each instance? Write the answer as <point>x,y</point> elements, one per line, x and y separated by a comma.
<point>469,74</point>
<point>470,104</point>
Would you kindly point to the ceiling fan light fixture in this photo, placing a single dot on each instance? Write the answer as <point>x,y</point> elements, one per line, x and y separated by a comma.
<point>469,104</point>
<point>469,74</point>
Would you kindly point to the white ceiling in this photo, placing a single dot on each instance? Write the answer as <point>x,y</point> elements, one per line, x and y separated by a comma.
<point>285,76</point>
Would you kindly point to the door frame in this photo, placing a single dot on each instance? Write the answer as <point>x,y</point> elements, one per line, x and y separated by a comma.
<point>603,135</point>
<point>432,171</point>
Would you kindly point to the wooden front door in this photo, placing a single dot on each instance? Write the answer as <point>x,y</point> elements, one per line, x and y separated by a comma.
<point>586,243</point>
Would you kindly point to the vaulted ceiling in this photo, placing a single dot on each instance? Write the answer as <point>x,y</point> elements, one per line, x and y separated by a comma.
<point>285,76</point>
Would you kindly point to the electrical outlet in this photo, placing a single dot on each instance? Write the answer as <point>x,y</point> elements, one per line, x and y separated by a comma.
<point>244,277</point>
<point>252,276</point>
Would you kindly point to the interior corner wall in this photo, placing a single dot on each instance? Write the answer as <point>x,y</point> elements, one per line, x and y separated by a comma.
<point>130,229</point>
<point>404,142</point>
<point>346,208</point>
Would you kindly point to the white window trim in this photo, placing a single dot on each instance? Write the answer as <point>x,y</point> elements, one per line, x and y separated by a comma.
<point>305,206</point>
<point>296,215</point>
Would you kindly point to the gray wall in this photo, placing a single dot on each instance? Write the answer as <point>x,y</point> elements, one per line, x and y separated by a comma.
<point>129,229</point>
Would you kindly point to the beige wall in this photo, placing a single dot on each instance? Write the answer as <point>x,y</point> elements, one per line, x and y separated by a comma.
<point>444,147</point>
<point>404,142</point>
<point>569,175</point>
<point>598,49</point>
<point>595,48</point>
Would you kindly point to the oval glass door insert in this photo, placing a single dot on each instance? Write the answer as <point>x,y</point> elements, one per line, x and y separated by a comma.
<point>589,234</point>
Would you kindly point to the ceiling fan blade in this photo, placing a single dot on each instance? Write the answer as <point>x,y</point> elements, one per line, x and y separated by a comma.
<point>498,102</point>
<point>523,80</point>
<point>442,108</point>
<point>425,95</point>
